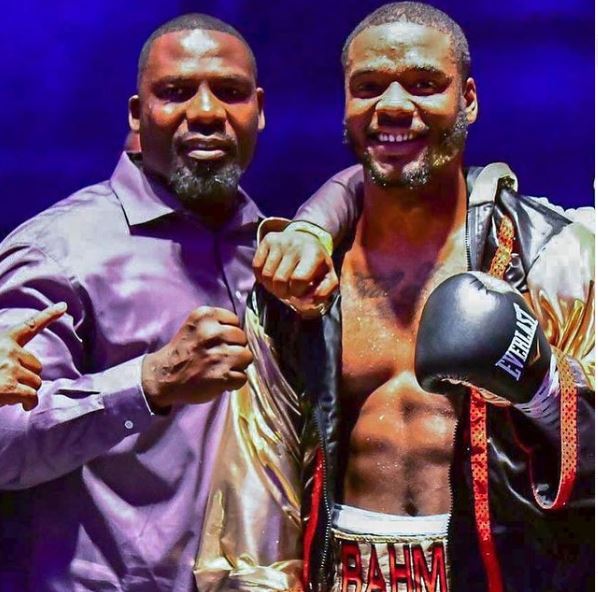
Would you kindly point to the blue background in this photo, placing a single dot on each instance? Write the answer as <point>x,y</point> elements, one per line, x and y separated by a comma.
<point>70,66</point>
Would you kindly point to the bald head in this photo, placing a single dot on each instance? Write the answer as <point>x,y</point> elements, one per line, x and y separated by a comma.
<point>190,22</point>
<point>420,14</point>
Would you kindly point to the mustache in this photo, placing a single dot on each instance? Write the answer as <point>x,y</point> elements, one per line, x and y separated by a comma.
<point>190,140</point>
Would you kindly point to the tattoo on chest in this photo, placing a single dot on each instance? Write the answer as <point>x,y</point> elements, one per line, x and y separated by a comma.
<point>395,293</point>
<point>376,287</point>
<point>382,285</point>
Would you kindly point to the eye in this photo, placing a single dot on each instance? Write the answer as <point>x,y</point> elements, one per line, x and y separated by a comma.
<point>367,89</point>
<point>175,94</point>
<point>426,86</point>
<point>231,93</point>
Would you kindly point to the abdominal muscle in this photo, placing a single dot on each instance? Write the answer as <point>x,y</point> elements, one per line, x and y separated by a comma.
<point>400,446</point>
<point>396,440</point>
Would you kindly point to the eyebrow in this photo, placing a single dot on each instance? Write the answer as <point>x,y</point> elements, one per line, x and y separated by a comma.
<point>185,79</point>
<point>424,69</point>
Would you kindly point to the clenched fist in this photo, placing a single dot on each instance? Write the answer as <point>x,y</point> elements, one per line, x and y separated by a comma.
<point>20,370</point>
<point>294,265</point>
<point>206,357</point>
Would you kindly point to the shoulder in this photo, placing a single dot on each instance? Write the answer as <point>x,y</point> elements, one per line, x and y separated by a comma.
<point>584,216</point>
<point>559,240</point>
<point>345,186</point>
<point>350,178</point>
<point>577,224</point>
<point>70,222</point>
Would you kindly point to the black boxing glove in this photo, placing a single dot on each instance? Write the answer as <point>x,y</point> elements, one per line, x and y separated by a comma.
<point>476,330</point>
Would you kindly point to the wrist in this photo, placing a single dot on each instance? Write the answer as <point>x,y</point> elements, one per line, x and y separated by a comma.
<point>271,224</point>
<point>150,385</point>
<point>323,236</point>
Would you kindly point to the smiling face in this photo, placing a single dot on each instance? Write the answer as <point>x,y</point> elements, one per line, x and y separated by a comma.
<point>406,106</point>
<point>198,113</point>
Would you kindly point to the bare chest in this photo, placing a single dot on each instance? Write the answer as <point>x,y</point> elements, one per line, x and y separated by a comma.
<point>381,312</point>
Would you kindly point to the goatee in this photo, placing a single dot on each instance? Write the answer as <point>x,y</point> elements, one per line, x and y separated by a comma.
<point>450,142</point>
<point>199,185</point>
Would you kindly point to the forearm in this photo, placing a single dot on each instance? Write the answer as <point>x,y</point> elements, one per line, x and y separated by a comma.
<point>335,206</point>
<point>75,421</point>
<point>82,412</point>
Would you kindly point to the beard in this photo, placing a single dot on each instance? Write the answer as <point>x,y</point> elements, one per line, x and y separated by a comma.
<point>200,185</point>
<point>418,174</point>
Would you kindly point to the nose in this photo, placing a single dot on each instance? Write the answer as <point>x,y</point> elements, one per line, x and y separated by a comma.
<point>205,109</point>
<point>395,102</point>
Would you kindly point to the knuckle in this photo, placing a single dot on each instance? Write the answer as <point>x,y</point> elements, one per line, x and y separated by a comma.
<point>200,313</point>
<point>12,355</point>
<point>208,331</point>
<point>9,385</point>
<point>272,240</point>
<point>215,361</point>
<point>236,381</point>
<point>302,276</point>
<point>280,278</point>
<point>275,242</point>
<point>276,239</point>
<point>238,333</point>
<point>205,312</point>
<point>210,339</point>
<point>245,357</point>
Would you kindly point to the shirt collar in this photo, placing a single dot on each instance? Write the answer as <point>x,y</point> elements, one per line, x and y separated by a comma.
<point>144,199</point>
<point>141,198</point>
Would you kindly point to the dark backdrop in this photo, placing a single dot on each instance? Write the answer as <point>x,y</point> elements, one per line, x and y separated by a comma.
<point>69,67</point>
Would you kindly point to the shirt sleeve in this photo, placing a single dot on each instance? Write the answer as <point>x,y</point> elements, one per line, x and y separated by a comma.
<point>81,413</point>
<point>336,206</point>
<point>561,292</point>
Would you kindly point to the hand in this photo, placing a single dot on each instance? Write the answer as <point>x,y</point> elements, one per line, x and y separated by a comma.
<point>206,357</point>
<point>294,264</point>
<point>476,330</point>
<point>20,370</point>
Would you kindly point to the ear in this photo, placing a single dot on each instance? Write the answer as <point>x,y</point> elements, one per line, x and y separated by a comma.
<point>260,105</point>
<point>470,95</point>
<point>134,113</point>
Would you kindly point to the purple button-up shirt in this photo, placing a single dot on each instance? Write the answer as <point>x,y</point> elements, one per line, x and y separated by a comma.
<point>108,496</point>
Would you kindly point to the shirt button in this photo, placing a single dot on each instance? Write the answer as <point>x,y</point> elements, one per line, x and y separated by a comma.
<point>129,424</point>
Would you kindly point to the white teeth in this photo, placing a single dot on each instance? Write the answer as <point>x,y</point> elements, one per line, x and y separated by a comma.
<point>396,137</point>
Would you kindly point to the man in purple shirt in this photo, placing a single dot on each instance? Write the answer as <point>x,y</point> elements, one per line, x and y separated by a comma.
<point>105,481</point>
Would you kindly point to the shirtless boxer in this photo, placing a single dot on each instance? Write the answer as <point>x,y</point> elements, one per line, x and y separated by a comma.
<point>388,464</point>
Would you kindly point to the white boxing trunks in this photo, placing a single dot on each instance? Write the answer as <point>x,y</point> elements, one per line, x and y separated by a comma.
<point>376,552</point>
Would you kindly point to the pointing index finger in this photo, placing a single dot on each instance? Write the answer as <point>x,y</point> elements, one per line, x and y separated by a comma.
<point>26,331</point>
